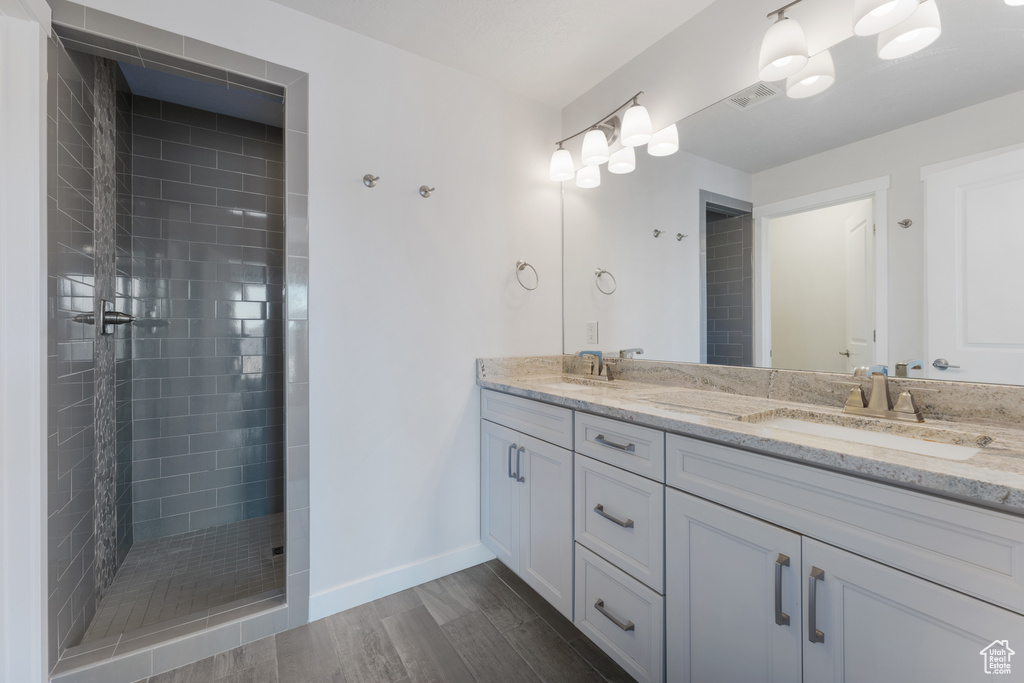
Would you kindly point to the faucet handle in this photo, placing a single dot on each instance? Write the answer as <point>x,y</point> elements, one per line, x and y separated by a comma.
<point>905,404</point>
<point>857,398</point>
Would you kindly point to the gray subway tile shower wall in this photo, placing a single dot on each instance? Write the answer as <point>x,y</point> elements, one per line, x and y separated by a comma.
<point>71,441</point>
<point>730,281</point>
<point>208,249</point>
<point>123,333</point>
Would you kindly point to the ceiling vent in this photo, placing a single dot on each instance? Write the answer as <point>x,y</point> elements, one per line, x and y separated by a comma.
<point>753,96</point>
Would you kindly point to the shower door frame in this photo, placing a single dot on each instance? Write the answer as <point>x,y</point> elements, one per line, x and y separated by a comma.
<point>259,622</point>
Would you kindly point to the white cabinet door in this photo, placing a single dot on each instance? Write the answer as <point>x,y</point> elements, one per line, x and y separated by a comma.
<point>545,520</point>
<point>721,598</point>
<point>880,624</point>
<point>499,494</point>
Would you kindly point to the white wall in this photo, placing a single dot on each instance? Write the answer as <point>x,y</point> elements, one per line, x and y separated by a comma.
<point>657,303</point>
<point>405,292</point>
<point>901,154</point>
<point>22,340</point>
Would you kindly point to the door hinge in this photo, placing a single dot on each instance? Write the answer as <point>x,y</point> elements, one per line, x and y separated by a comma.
<point>874,335</point>
<point>874,228</point>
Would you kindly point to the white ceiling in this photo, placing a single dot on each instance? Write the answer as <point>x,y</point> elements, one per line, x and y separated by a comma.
<point>550,50</point>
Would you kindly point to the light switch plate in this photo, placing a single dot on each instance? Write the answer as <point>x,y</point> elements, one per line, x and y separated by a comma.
<point>591,331</point>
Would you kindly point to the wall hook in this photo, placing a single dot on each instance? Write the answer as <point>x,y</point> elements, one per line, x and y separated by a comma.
<point>905,223</point>
<point>680,236</point>
<point>370,180</point>
<point>657,232</point>
<point>425,191</point>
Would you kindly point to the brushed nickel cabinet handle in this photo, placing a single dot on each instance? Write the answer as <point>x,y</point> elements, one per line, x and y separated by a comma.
<point>813,634</point>
<point>627,626</point>
<point>781,618</point>
<point>519,477</point>
<point>599,509</point>
<point>511,447</point>
<point>628,448</point>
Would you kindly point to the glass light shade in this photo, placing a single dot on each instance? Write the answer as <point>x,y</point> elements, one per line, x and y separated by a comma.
<point>595,148</point>
<point>664,142</point>
<point>622,161</point>
<point>874,16</point>
<point>588,176</point>
<point>562,166</point>
<point>783,51</point>
<point>1015,3</point>
<point>916,33</point>
<point>636,126</point>
<point>817,76</point>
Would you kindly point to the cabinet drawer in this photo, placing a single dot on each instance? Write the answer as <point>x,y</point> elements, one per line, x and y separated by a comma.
<point>968,548</point>
<point>621,615</point>
<point>631,447</point>
<point>546,422</point>
<point>621,517</point>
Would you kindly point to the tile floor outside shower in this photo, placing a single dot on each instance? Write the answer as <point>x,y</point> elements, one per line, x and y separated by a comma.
<point>177,576</point>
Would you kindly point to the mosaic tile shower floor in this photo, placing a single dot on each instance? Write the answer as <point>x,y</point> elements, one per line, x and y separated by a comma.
<point>177,575</point>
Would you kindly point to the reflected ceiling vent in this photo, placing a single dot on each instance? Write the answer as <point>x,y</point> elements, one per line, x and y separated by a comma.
<point>753,96</point>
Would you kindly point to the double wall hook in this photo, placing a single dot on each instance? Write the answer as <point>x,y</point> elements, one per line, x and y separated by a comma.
<point>425,191</point>
<point>370,180</point>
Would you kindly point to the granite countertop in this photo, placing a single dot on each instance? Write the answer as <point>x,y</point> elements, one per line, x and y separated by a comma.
<point>993,477</point>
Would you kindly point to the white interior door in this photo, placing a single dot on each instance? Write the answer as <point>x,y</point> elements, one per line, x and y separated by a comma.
<point>860,295</point>
<point>974,222</point>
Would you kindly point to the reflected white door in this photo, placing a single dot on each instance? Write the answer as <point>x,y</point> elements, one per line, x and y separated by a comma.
<point>974,243</point>
<point>860,295</point>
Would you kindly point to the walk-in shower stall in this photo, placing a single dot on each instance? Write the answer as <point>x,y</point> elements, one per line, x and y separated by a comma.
<point>167,328</point>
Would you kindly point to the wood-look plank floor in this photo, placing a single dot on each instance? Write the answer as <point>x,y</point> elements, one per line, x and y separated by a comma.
<point>482,624</point>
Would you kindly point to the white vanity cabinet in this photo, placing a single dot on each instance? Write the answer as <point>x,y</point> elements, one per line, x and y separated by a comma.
<point>761,599</point>
<point>526,493</point>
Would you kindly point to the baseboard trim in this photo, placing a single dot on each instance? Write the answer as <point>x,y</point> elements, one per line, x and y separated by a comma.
<point>370,588</point>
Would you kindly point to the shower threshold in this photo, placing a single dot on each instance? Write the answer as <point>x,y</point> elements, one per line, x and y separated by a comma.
<point>169,586</point>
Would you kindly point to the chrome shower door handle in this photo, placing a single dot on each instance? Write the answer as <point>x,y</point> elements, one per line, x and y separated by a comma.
<point>813,634</point>
<point>625,626</point>
<point>519,477</point>
<point>943,364</point>
<point>628,448</point>
<point>599,509</point>
<point>511,447</point>
<point>781,618</point>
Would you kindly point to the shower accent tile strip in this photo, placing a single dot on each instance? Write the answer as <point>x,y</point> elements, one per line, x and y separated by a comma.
<point>104,221</point>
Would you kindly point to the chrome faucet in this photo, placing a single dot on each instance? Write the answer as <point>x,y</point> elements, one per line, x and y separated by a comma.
<point>628,353</point>
<point>880,404</point>
<point>903,366</point>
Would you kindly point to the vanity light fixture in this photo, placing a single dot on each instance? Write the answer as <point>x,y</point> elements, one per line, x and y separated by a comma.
<point>595,148</point>
<point>634,129</point>
<point>622,161</point>
<point>562,168</point>
<point>912,35</point>
<point>636,125</point>
<point>1015,3</point>
<point>784,48</point>
<point>588,177</point>
<point>664,142</point>
<point>816,77</point>
<point>871,17</point>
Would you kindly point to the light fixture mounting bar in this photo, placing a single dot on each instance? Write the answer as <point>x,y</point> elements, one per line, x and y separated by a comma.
<point>782,9</point>
<point>631,100</point>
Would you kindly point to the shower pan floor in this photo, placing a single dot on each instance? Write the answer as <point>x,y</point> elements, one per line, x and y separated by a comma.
<point>170,577</point>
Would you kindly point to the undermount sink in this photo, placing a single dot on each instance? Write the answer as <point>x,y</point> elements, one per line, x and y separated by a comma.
<point>578,384</point>
<point>919,446</point>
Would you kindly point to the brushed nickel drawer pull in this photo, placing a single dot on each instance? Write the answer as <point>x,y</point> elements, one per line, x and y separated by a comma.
<point>781,618</point>
<point>519,476</point>
<point>628,448</point>
<point>599,509</point>
<point>813,634</point>
<point>511,447</point>
<point>628,626</point>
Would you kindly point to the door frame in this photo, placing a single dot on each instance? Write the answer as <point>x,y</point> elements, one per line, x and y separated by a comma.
<point>876,189</point>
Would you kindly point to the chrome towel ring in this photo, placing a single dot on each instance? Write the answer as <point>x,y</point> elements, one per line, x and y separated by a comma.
<point>597,281</point>
<point>520,267</point>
